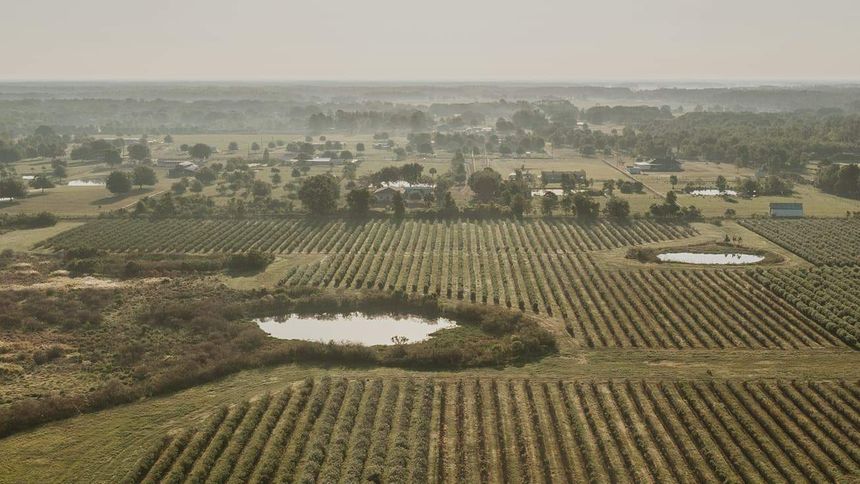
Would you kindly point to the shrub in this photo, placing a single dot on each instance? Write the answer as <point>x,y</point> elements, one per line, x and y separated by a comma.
<point>249,261</point>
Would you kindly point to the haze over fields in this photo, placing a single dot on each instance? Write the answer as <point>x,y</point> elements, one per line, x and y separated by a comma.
<point>543,40</point>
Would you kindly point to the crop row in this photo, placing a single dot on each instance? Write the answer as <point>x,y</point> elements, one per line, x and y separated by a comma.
<point>820,241</point>
<point>307,236</point>
<point>638,308</point>
<point>828,295</point>
<point>486,430</point>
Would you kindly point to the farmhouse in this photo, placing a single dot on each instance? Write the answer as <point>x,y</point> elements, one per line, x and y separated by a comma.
<point>786,210</point>
<point>556,176</point>
<point>410,191</point>
<point>169,162</point>
<point>184,168</point>
<point>657,164</point>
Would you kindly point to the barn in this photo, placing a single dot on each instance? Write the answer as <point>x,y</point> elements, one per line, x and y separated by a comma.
<point>786,210</point>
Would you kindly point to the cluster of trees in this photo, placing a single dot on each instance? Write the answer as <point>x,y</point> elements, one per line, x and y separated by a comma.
<point>516,196</point>
<point>626,114</point>
<point>842,180</point>
<point>412,119</point>
<point>12,188</point>
<point>28,221</point>
<point>410,172</point>
<point>119,182</point>
<point>777,142</point>
<point>768,186</point>
<point>670,209</point>
<point>42,142</point>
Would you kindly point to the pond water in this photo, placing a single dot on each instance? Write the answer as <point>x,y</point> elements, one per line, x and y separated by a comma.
<point>719,259</point>
<point>713,193</point>
<point>86,183</point>
<point>353,328</point>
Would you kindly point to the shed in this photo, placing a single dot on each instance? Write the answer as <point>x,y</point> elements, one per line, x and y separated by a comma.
<point>786,210</point>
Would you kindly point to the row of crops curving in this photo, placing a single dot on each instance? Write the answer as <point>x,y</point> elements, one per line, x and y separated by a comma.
<point>626,308</point>
<point>341,236</point>
<point>820,241</point>
<point>487,430</point>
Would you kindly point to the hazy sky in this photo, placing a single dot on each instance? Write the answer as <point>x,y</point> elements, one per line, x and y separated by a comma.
<point>553,40</point>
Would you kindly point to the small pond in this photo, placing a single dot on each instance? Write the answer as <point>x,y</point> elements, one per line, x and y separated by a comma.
<point>86,183</point>
<point>353,328</point>
<point>713,193</point>
<point>716,259</point>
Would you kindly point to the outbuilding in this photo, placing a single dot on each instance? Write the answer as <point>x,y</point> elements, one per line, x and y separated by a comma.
<point>786,210</point>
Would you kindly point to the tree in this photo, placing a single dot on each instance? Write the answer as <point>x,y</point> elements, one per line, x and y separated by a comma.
<point>319,193</point>
<point>358,201</point>
<point>184,147</point>
<point>138,152</point>
<point>180,186</point>
<point>118,182</point>
<point>549,202</point>
<point>41,182</point>
<point>398,205</point>
<point>345,155</point>
<point>200,151</point>
<point>196,186</point>
<point>168,139</point>
<point>673,180</point>
<point>721,183</point>
<point>233,146</point>
<point>276,179</point>
<point>458,167</point>
<point>59,171</point>
<point>112,157</point>
<point>359,147</point>
<point>271,145</point>
<point>11,188</point>
<point>206,175</point>
<point>411,172</point>
<point>617,208</point>
<point>261,189</point>
<point>586,208</point>
<point>519,206</point>
<point>255,146</point>
<point>266,155</point>
<point>349,171</point>
<point>144,175</point>
<point>485,184</point>
<point>433,172</point>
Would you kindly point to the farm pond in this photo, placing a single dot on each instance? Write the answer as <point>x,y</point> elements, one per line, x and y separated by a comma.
<point>369,330</point>
<point>85,183</point>
<point>713,193</point>
<point>710,259</point>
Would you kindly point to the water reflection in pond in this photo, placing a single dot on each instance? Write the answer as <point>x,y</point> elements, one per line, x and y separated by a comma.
<point>700,258</point>
<point>353,328</point>
<point>86,183</point>
<point>713,193</point>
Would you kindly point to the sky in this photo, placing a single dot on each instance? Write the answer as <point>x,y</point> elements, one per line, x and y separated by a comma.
<point>439,40</point>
